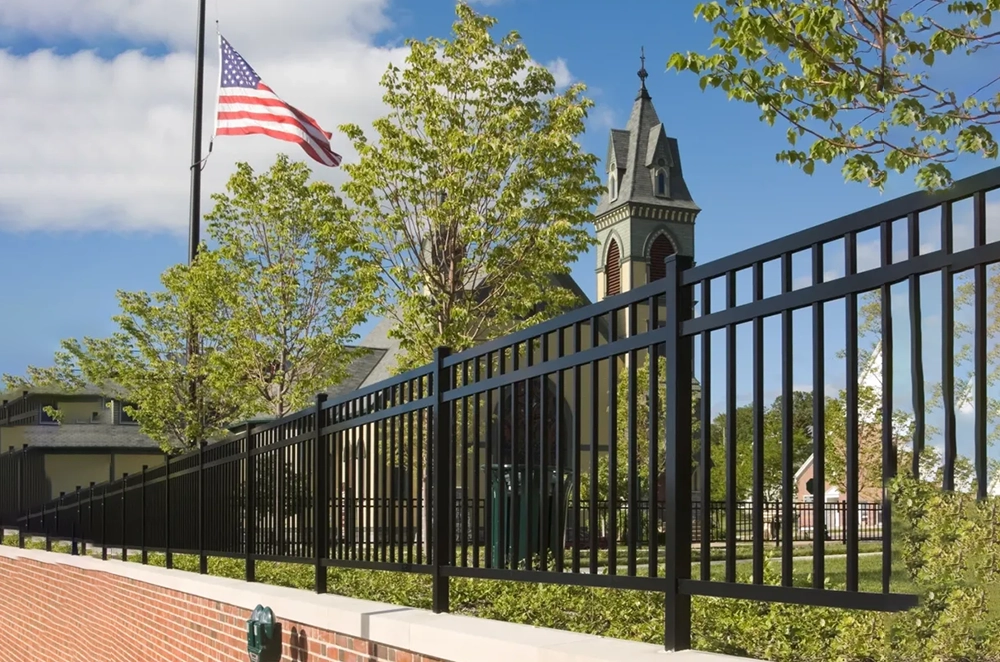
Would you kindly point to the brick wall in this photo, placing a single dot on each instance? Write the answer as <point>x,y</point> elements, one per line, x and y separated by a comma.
<point>53,612</point>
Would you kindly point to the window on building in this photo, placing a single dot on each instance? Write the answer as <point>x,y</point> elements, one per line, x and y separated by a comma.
<point>661,182</point>
<point>613,182</point>
<point>659,251</point>
<point>613,270</point>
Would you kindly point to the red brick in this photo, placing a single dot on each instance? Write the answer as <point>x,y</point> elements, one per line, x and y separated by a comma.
<point>130,621</point>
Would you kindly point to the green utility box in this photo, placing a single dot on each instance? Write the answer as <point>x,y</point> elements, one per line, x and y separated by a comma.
<point>539,486</point>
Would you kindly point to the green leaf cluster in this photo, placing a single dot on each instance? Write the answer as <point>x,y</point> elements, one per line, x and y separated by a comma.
<point>473,190</point>
<point>290,250</point>
<point>866,82</point>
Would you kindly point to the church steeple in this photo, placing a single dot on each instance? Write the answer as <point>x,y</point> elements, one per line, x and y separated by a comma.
<point>647,212</point>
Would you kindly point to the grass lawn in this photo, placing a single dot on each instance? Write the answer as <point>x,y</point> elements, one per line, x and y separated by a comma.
<point>869,573</point>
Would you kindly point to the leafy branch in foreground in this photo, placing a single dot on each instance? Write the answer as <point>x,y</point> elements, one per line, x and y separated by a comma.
<point>853,79</point>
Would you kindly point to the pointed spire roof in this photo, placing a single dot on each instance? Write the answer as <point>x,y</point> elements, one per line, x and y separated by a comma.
<point>637,150</point>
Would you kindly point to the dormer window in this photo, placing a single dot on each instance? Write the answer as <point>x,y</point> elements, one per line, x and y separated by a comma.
<point>661,182</point>
<point>613,182</point>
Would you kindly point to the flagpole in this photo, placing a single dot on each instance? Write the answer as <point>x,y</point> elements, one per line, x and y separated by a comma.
<point>194,220</point>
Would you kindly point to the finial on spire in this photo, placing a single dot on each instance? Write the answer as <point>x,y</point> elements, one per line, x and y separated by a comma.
<point>643,74</point>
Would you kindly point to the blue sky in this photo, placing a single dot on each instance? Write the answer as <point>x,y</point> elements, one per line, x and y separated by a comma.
<point>97,108</point>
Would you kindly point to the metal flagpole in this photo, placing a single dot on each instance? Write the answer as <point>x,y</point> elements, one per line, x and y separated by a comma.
<point>194,221</point>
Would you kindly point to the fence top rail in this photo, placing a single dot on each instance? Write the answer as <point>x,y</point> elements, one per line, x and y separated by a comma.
<point>858,221</point>
<point>374,389</point>
<point>589,314</point>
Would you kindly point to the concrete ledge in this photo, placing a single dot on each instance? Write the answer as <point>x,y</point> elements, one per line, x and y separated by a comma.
<point>443,636</point>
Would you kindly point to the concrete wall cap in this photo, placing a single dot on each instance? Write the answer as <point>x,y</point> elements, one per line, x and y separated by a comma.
<point>444,636</point>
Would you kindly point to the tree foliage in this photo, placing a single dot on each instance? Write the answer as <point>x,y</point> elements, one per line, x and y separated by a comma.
<point>962,370</point>
<point>875,83</point>
<point>273,306</point>
<point>145,362</point>
<point>290,250</point>
<point>474,190</point>
<point>869,438</point>
<point>772,440</point>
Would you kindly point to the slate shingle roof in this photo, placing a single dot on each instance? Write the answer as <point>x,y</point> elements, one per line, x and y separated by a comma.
<point>87,436</point>
<point>634,148</point>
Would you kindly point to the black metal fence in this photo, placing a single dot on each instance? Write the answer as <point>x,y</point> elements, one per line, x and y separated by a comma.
<point>516,422</point>
<point>22,483</point>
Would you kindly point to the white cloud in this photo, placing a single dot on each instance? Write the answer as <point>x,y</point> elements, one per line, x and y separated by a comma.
<point>94,143</point>
<point>269,26</point>
<point>560,71</point>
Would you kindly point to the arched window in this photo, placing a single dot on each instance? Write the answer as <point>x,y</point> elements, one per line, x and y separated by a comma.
<point>613,182</point>
<point>659,251</point>
<point>661,182</point>
<point>613,270</point>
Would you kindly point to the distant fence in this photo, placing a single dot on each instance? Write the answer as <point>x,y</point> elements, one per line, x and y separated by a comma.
<point>514,421</point>
<point>153,510</point>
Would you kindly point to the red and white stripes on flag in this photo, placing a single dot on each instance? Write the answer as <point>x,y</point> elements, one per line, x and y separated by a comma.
<point>246,106</point>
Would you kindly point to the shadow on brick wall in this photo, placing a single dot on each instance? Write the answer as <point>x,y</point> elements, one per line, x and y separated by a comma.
<point>299,645</point>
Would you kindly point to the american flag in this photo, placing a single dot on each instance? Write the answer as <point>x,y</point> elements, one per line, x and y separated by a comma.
<point>247,106</point>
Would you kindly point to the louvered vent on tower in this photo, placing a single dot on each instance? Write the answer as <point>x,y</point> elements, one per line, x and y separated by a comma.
<point>613,270</point>
<point>658,253</point>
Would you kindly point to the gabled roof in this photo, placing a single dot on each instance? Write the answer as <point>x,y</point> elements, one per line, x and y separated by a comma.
<point>618,147</point>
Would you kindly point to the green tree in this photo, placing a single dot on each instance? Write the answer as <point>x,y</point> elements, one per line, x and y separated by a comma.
<point>290,250</point>
<point>867,81</point>
<point>474,190</point>
<point>772,438</point>
<point>869,438</point>
<point>274,305</point>
<point>145,362</point>
<point>961,366</point>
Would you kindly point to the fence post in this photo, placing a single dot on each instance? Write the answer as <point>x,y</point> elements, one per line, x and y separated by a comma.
<point>439,458</point>
<point>124,546</point>
<point>21,508</point>
<point>680,368</point>
<point>55,526</point>
<point>169,556</point>
<point>142,523</point>
<point>104,522</point>
<point>250,525</point>
<point>321,498</point>
<point>202,559</point>
<point>20,483</point>
<point>90,515</point>
<point>78,523</point>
